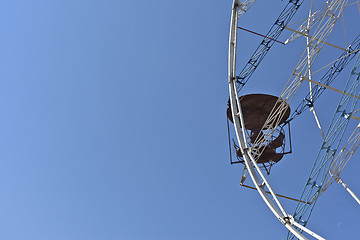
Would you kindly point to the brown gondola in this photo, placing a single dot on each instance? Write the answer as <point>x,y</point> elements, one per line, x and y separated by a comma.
<point>255,109</point>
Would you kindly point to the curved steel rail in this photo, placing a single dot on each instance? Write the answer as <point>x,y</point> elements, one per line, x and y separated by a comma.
<point>255,173</point>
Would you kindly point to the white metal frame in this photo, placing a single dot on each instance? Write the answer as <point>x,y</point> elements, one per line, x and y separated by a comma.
<point>254,171</point>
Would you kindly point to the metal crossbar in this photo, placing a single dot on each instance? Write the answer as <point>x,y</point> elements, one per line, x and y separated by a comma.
<point>268,41</point>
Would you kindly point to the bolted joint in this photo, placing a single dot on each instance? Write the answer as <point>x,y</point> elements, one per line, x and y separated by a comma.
<point>287,220</point>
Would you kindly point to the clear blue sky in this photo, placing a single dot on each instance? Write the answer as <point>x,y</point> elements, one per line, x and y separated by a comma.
<point>113,125</point>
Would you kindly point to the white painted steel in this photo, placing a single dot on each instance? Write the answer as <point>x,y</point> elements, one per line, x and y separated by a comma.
<point>307,230</point>
<point>254,171</point>
<point>349,190</point>
<point>325,26</point>
<point>244,6</point>
<point>341,161</point>
<point>325,17</point>
<point>309,60</point>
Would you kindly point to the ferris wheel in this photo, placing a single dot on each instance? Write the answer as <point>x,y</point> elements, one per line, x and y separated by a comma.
<point>261,132</point>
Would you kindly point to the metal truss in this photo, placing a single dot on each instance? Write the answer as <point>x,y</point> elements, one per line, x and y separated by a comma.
<point>312,20</point>
<point>341,160</point>
<point>323,30</point>
<point>326,156</point>
<point>252,168</point>
<point>328,77</point>
<point>301,71</point>
<point>265,45</point>
<point>244,6</point>
<point>323,21</point>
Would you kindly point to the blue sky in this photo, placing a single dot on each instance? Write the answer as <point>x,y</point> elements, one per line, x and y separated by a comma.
<point>114,125</point>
